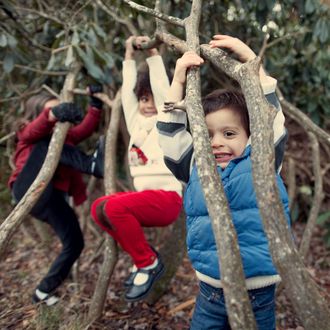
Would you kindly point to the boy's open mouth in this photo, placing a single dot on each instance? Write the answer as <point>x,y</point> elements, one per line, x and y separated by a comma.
<point>223,157</point>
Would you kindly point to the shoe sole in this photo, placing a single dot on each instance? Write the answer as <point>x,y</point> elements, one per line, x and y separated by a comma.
<point>151,286</point>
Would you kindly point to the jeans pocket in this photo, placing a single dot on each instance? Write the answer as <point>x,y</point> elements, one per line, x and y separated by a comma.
<point>213,295</point>
<point>263,298</point>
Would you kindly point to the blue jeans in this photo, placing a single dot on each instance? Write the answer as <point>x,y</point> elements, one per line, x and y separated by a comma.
<point>210,310</point>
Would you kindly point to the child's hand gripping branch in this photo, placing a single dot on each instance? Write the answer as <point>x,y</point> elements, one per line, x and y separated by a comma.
<point>134,43</point>
<point>237,46</point>
<point>93,91</point>
<point>188,59</point>
<point>66,112</point>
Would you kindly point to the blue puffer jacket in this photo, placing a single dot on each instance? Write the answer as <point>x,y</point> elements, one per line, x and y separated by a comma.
<point>238,184</point>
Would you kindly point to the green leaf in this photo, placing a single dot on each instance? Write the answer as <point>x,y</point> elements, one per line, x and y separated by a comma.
<point>8,63</point>
<point>322,218</point>
<point>12,42</point>
<point>309,6</point>
<point>323,31</point>
<point>69,57</point>
<point>328,241</point>
<point>51,62</point>
<point>105,57</point>
<point>75,38</point>
<point>3,40</point>
<point>100,32</point>
<point>92,38</point>
<point>89,64</point>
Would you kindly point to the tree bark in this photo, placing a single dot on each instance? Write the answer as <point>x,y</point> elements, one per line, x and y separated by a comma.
<point>317,199</point>
<point>172,253</point>
<point>302,119</point>
<point>22,209</point>
<point>306,299</point>
<point>303,292</point>
<point>110,252</point>
<point>232,276</point>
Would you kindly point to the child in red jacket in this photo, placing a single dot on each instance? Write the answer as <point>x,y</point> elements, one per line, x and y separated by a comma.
<point>42,111</point>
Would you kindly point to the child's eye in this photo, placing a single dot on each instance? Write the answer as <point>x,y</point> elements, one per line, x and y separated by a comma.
<point>144,99</point>
<point>229,133</point>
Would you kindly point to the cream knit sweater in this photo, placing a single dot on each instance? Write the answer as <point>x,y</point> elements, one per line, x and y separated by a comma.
<point>154,174</point>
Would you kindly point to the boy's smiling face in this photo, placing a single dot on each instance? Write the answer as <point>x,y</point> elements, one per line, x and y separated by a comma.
<point>227,135</point>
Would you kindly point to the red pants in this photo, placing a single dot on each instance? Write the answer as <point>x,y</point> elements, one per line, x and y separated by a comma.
<point>128,212</point>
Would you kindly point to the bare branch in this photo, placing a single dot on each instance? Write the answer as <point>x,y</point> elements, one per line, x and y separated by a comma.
<point>171,41</point>
<point>41,14</point>
<point>292,186</point>
<point>111,12</point>
<point>49,73</point>
<point>50,91</point>
<point>317,199</point>
<point>298,116</point>
<point>110,251</point>
<point>7,137</point>
<point>154,13</point>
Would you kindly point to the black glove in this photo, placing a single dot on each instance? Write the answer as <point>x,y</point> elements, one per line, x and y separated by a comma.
<point>68,112</point>
<point>94,101</point>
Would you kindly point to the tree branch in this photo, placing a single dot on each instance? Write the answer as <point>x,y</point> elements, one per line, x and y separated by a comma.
<point>317,199</point>
<point>169,19</point>
<point>111,12</point>
<point>49,73</point>
<point>21,210</point>
<point>302,119</point>
<point>41,14</point>
<point>232,275</point>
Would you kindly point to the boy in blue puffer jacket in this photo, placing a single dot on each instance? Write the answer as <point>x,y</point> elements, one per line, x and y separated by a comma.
<point>227,120</point>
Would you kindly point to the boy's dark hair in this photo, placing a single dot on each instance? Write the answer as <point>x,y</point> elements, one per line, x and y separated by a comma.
<point>224,98</point>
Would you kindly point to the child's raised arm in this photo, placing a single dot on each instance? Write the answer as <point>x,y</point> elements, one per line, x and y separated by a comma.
<point>174,138</point>
<point>187,60</point>
<point>245,53</point>
<point>129,48</point>
<point>242,50</point>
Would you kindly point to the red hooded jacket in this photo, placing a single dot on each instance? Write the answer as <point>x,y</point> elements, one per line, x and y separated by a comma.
<point>65,178</point>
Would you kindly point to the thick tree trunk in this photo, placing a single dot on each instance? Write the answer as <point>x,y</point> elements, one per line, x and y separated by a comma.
<point>22,209</point>
<point>232,276</point>
<point>305,297</point>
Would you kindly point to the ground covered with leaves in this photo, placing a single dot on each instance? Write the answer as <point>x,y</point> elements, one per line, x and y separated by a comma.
<point>27,259</point>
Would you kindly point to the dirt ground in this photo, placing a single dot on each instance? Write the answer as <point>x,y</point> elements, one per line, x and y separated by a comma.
<point>28,259</point>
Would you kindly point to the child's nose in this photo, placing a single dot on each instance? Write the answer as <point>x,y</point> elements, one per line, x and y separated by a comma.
<point>150,103</point>
<point>217,141</point>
